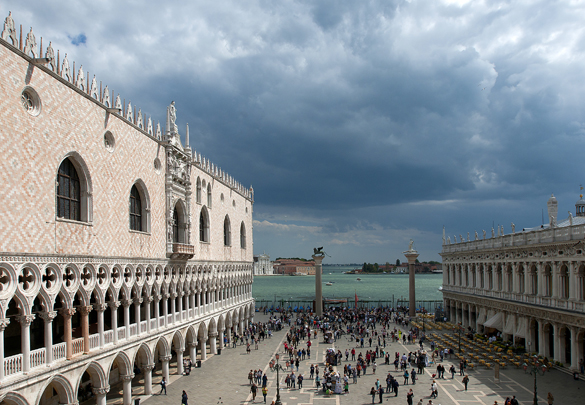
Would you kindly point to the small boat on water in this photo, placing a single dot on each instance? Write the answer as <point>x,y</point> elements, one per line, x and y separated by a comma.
<point>358,279</point>
<point>329,283</point>
<point>440,288</point>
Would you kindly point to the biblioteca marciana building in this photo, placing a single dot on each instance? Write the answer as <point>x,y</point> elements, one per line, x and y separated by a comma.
<point>528,285</point>
<point>123,251</point>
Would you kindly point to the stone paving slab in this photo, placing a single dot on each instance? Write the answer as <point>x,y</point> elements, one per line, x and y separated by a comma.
<point>222,379</point>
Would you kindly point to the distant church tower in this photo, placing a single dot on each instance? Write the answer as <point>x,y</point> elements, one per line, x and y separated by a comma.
<point>580,205</point>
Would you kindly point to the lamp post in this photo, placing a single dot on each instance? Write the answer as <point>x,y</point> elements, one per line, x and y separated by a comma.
<point>278,367</point>
<point>536,367</point>
<point>459,330</point>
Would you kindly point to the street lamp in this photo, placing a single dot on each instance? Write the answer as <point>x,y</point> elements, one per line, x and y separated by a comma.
<point>277,367</point>
<point>536,367</point>
<point>459,331</point>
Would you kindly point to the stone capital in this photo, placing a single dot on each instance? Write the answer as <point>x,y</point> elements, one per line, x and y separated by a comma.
<point>128,377</point>
<point>114,304</point>
<point>85,309</point>
<point>4,323</point>
<point>213,334</point>
<point>174,295</point>
<point>138,300</point>
<point>68,312</point>
<point>148,367</point>
<point>25,320</point>
<point>100,307</point>
<point>126,303</point>
<point>101,390</point>
<point>149,299</point>
<point>166,358</point>
<point>48,316</point>
<point>158,297</point>
<point>166,296</point>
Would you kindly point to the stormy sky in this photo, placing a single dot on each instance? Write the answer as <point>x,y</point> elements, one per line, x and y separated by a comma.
<point>360,124</point>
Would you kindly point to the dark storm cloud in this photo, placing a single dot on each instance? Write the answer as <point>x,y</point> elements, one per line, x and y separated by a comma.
<point>359,124</point>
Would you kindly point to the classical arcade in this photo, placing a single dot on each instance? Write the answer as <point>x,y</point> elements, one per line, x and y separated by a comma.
<point>123,251</point>
<point>527,286</point>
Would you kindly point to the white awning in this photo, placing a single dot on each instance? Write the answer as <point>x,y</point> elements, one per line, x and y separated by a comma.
<point>481,316</point>
<point>509,327</point>
<point>521,329</point>
<point>494,322</point>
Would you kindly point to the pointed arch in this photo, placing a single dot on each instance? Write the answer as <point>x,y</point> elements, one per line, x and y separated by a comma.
<point>74,189</point>
<point>204,225</point>
<point>227,231</point>
<point>242,235</point>
<point>139,207</point>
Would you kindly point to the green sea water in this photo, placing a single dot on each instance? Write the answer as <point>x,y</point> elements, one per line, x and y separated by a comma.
<point>372,287</point>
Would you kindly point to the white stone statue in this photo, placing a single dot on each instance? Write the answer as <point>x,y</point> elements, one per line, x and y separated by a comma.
<point>173,119</point>
<point>484,233</point>
<point>468,237</point>
<point>9,30</point>
<point>493,233</point>
<point>448,240</point>
<point>513,228</point>
<point>570,218</point>
<point>410,245</point>
<point>476,236</point>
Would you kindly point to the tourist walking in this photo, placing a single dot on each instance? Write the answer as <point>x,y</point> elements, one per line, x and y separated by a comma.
<point>184,398</point>
<point>465,382</point>
<point>264,393</point>
<point>409,397</point>
<point>373,394</point>
<point>163,386</point>
<point>550,399</point>
<point>253,390</point>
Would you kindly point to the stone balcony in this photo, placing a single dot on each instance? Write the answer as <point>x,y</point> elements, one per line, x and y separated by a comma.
<point>182,251</point>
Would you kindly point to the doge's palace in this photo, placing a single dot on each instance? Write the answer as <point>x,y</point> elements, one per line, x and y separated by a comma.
<point>122,251</point>
<point>527,286</point>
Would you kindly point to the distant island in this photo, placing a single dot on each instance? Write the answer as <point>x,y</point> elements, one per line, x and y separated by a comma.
<point>398,268</point>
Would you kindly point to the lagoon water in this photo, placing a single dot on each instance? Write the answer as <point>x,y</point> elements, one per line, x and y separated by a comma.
<point>372,287</point>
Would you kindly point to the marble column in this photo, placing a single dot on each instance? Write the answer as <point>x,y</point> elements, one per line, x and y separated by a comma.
<point>127,388</point>
<point>213,342</point>
<point>67,332</point>
<point>126,305</point>
<point>221,339</point>
<point>100,308</point>
<point>574,348</point>
<point>3,324</point>
<point>203,347</point>
<point>542,345</point>
<point>147,316</point>
<point>157,299</point>
<point>148,378</point>
<point>84,310</point>
<point>48,317</point>
<point>173,307</point>
<point>100,394</point>
<point>318,258</point>
<point>180,351</point>
<point>193,352</point>
<point>137,317</point>
<point>165,366</point>
<point>411,256</point>
<point>114,311</point>
<point>557,342</point>
<point>25,321</point>
<point>166,309</point>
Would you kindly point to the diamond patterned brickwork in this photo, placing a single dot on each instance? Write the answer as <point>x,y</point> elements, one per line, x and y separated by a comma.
<point>32,148</point>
